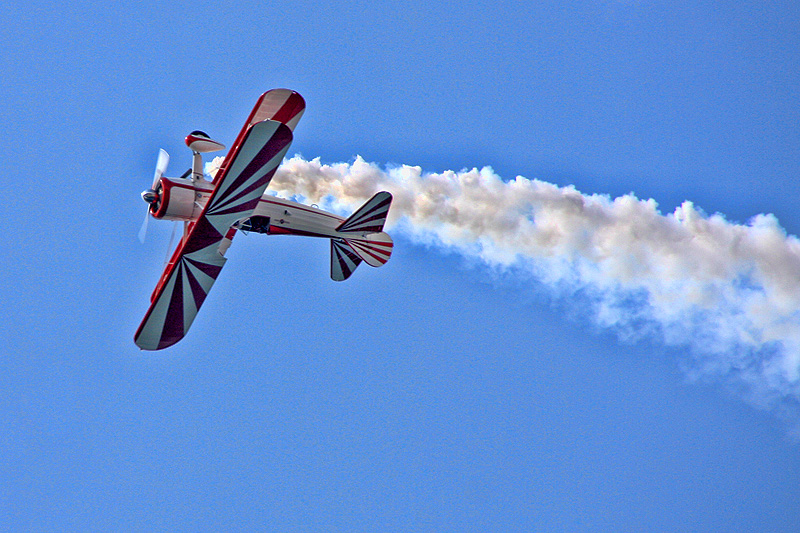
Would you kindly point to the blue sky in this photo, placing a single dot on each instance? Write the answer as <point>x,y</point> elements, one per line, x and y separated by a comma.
<point>435,393</point>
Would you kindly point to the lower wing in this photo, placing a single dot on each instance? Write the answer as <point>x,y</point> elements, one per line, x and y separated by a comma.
<point>199,258</point>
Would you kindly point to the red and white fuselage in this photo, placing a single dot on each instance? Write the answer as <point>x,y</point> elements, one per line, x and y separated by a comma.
<point>183,199</point>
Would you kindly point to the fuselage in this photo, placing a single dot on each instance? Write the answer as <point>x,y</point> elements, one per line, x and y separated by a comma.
<point>182,199</point>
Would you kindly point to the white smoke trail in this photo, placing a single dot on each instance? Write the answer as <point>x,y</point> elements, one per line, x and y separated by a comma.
<point>730,292</point>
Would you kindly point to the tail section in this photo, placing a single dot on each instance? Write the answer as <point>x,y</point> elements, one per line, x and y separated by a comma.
<point>362,238</point>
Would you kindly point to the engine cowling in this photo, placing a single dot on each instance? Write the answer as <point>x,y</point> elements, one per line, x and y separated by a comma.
<point>178,199</point>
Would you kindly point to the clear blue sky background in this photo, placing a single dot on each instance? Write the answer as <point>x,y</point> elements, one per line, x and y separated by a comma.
<point>429,395</point>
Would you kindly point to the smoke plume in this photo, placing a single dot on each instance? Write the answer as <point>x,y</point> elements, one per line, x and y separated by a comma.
<point>729,292</point>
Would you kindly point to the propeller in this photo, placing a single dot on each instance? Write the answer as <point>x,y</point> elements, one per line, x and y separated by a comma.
<point>161,166</point>
<point>150,195</point>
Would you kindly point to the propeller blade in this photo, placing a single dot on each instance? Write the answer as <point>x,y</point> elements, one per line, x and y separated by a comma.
<point>161,166</point>
<point>143,229</point>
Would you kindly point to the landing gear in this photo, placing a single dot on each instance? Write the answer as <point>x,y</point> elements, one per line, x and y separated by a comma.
<point>257,224</point>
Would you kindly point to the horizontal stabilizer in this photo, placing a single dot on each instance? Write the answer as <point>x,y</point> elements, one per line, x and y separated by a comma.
<point>374,249</point>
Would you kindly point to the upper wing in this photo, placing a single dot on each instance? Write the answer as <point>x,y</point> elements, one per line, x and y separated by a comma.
<point>197,262</point>
<point>280,105</point>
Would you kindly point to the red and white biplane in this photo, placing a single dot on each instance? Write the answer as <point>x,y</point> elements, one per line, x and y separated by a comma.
<point>212,212</point>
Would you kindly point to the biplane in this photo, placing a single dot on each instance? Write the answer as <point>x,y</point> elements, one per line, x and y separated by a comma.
<point>236,200</point>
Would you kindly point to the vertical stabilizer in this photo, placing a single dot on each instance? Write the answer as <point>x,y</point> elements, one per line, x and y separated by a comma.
<point>370,217</point>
